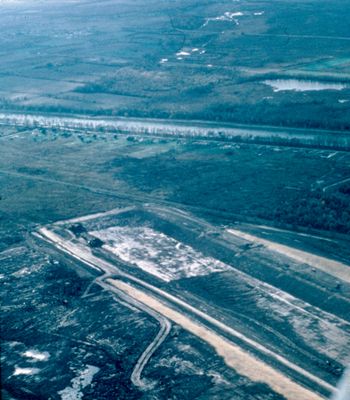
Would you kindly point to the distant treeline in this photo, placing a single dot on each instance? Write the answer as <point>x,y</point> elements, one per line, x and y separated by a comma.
<point>295,115</point>
<point>238,134</point>
<point>290,114</point>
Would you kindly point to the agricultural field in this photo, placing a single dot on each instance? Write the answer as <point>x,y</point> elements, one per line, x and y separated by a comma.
<point>174,199</point>
<point>248,62</point>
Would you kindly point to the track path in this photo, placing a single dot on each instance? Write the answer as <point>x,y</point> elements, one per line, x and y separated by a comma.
<point>277,380</point>
<point>236,358</point>
<point>165,327</point>
<point>335,268</point>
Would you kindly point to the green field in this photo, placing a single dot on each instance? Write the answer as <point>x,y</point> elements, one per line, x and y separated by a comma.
<point>205,60</point>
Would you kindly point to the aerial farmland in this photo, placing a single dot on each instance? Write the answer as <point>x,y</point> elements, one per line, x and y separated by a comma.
<point>174,199</point>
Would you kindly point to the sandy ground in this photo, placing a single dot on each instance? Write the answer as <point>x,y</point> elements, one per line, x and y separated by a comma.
<point>331,267</point>
<point>85,256</point>
<point>236,358</point>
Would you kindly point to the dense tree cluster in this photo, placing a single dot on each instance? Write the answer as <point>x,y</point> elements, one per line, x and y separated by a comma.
<point>318,210</point>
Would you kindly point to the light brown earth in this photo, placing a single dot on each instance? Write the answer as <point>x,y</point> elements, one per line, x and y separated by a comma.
<point>241,361</point>
<point>331,267</point>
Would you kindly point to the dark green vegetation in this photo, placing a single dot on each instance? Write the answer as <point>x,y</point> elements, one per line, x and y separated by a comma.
<point>180,59</point>
<point>283,185</point>
<point>49,175</point>
<point>205,63</point>
<point>280,185</point>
